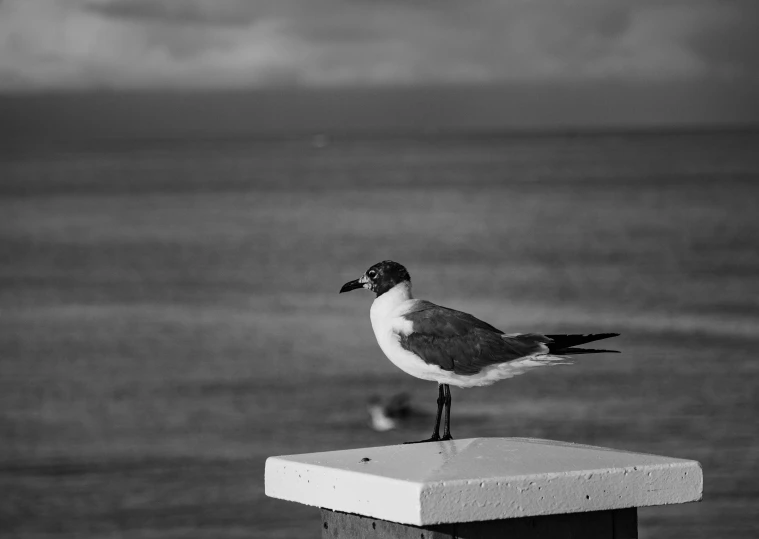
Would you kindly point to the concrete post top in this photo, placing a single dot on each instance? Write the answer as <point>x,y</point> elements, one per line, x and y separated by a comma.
<point>481,479</point>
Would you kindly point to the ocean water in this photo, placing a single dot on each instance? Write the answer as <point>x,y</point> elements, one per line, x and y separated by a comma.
<point>170,317</point>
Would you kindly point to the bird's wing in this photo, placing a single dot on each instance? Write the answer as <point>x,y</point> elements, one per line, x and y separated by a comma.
<point>459,342</point>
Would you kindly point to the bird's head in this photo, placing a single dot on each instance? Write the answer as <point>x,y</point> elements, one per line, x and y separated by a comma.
<point>380,278</point>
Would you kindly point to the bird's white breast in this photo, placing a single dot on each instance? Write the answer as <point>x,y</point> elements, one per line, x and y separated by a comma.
<point>389,324</point>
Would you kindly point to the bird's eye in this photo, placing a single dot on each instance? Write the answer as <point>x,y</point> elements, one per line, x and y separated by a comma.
<point>372,274</point>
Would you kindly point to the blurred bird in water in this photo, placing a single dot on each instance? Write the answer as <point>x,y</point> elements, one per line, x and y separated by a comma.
<point>386,415</point>
<point>452,347</point>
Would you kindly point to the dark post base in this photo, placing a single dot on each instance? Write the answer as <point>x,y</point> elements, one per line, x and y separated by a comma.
<point>616,524</point>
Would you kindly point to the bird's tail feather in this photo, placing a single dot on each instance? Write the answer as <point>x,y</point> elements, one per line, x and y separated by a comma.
<point>566,344</point>
<point>576,351</point>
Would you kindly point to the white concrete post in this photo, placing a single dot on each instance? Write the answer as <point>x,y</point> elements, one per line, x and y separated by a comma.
<point>482,487</point>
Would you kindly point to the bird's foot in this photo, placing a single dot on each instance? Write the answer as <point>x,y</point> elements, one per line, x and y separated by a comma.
<point>446,437</point>
<point>431,439</point>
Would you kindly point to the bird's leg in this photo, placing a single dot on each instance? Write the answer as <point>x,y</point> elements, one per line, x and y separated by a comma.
<point>447,428</point>
<point>440,402</point>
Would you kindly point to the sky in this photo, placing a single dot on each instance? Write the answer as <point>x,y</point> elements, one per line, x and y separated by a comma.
<point>605,48</point>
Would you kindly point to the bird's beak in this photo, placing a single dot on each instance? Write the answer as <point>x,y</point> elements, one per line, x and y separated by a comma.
<point>353,285</point>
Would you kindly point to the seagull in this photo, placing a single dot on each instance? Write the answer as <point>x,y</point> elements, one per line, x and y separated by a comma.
<point>451,347</point>
<point>386,415</point>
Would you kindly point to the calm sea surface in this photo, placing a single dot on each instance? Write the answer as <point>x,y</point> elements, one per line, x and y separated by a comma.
<point>169,313</point>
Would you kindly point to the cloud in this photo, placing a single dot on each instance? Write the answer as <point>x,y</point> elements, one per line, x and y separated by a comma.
<point>49,44</point>
<point>728,39</point>
<point>239,43</point>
